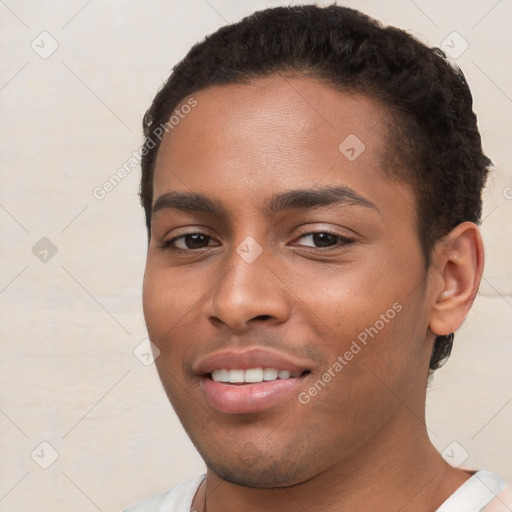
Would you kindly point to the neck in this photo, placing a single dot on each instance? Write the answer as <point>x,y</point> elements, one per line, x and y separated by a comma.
<point>399,470</point>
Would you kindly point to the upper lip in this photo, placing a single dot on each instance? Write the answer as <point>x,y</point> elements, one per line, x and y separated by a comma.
<point>248,358</point>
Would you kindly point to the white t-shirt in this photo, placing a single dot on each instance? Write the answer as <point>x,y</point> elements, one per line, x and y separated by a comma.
<point>482,492</point>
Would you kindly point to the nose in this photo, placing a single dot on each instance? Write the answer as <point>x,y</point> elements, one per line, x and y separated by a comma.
<point>248,293</point>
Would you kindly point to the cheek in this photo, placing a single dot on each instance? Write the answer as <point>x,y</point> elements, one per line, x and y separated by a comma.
<point>165,305</point>
<point>369,371</point>
<point>156,302</point>
<point>173,304</point>
<point>368,317</point>
<point>347,300</point>
<point>169,296</point>
<point>163,311</point>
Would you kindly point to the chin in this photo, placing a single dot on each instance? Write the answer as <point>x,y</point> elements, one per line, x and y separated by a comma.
<point>249,466</point>
<point>260,477</point>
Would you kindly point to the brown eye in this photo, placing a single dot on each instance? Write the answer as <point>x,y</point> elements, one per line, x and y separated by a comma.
<point>324,239</point>
<point>188,242</point>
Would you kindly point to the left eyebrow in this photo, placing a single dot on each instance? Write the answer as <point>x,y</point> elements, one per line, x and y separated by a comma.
<point>315,198</point>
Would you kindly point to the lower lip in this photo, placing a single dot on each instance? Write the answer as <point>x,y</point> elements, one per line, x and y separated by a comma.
<point>249,398</point>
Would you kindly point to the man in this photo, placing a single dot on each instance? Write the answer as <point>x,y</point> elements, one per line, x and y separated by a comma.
<point>312,188</point>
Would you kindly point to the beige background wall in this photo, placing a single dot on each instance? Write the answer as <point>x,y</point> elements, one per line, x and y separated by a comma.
<point>70,321</point>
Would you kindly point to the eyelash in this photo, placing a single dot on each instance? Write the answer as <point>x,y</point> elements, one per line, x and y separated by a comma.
<point>342,241</point>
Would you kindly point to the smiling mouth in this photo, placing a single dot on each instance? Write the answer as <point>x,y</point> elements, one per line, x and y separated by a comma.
<point>253,389</point>
<point>239,377</point>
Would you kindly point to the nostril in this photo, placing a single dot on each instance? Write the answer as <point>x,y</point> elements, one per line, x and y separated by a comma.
<point>262,317</point>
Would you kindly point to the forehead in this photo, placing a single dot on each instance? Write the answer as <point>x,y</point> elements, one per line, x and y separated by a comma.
<point>280,132</point>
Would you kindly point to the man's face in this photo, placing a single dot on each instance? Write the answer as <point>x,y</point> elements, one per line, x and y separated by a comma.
<point>328,287</point>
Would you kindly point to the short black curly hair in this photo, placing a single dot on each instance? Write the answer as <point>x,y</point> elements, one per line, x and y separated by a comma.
<point>432,129</point>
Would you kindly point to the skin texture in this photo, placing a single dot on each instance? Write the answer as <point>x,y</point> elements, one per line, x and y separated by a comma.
<point>361,443</point>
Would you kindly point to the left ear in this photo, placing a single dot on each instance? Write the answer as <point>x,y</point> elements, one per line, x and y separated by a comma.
<point>459,260</point>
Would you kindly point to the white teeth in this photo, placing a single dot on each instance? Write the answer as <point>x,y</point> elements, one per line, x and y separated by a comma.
<point>221,375</point>
<point>252,375</point>
<point>270,374</point>
<point>236,376</point>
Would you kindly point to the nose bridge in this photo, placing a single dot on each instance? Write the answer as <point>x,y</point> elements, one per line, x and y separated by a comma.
<point>248,289</point>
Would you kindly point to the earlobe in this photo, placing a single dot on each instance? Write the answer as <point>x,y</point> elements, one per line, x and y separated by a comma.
<point>460,262</point>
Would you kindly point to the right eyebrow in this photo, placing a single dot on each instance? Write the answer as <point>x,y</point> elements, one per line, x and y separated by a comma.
<point>188,202</point>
